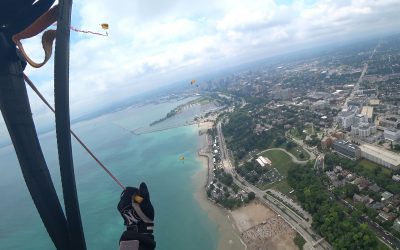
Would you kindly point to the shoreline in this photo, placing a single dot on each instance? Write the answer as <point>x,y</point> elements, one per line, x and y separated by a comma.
<point>251,226</point>
<point>228,234</point>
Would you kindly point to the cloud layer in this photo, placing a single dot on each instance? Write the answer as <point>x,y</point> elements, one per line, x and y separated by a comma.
<point>153,43</point>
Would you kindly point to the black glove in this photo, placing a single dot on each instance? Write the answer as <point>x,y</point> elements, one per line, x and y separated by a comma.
<point>136,209</point>
<point>138,214</point>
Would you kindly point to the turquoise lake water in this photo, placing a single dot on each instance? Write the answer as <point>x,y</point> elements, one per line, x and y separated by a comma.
<point>180,223</point>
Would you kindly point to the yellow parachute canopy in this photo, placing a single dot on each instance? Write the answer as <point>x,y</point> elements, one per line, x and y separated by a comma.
<point>182,158</point>
<point>192,82</point>
<point>104,26</point>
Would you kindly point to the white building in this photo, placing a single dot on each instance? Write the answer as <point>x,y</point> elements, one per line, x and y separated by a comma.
<point>396,177</point>
<point>368,112</point>
<point>392,134</point>
<point>380,156</point>
<point>346,119</point>
<point>265,160</point>
<point>260,162</point>
<point>360,118</point>
<point>363,129</point>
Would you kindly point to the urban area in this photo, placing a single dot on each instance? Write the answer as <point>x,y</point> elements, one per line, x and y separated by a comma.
<point>316,138</point>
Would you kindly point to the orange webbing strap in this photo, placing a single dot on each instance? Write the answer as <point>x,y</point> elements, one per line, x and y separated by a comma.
<point>40,24</point>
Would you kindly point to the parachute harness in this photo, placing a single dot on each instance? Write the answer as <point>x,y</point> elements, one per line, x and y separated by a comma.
<point>48,38</point>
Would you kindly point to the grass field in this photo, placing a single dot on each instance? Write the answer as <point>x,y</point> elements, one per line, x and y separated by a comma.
<point>282,186</point>
<point>296,151</point>
<point>382,246</point>
<point>282,162</point>
<point>371,166</point>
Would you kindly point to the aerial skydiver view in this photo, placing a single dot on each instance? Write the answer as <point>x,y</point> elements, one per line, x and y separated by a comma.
<point>262,124</point>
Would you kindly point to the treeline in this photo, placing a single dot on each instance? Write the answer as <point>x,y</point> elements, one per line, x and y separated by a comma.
<point>170,114</point>
<point>251,171</point>
<point>239,133</point>
<point>329,218</point>
<point>381,178</point>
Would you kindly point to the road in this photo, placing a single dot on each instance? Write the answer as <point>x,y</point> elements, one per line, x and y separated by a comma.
<point>357,85</point>
<point>380,232</point>
<point>310,151</point>
<point>302,226</point>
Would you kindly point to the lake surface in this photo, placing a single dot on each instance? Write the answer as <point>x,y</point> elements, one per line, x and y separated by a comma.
<point>154,158</point>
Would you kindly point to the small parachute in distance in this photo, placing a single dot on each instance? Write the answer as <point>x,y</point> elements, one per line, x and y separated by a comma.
<point>193,82</point>
<point>182,158</point>
<point>104,26</point>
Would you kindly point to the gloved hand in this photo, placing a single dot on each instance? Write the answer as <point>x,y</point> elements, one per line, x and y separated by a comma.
<point>136,209</point>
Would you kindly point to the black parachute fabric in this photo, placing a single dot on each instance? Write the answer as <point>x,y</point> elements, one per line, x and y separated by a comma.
<point>17,115</point>
<point>61,94</point>
<point>15,107</point>
<point>66,233</point>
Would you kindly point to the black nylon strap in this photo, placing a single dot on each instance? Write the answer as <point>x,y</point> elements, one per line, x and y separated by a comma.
<point>61,97</point>
<point>14,105</point>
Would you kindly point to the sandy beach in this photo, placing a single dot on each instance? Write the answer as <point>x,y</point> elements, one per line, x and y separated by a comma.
<point>229,239</point>
<point>253,226</point>
<point>261,228</point>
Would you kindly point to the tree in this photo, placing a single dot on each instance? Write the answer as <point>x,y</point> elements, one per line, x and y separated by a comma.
<point>251,196</point>
<point>350,190</point>
<point>290,145</point>
<point>329,217</point>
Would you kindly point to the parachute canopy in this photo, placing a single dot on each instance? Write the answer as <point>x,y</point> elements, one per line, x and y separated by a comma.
<point>182,158</point>
<point>192,82</point>
<point>104,26</point>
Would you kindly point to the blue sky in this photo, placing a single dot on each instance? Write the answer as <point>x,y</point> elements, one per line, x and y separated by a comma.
<point>157,42</point>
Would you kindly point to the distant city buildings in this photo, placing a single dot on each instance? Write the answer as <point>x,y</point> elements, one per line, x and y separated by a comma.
<point>320,104</point>
<point>363,129</point>
<point>392,134</point>
<point>346,119</point>
<point>281,94</point>
<point>392,121</point>
<point>368,112</point>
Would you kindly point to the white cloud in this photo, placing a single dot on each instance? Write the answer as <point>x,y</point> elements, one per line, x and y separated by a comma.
<point>153,43</point>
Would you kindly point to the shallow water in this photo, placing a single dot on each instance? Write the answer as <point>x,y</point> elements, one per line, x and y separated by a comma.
<point>153,158</point>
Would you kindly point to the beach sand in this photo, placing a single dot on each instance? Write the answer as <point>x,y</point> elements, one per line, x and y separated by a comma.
<point>251,215</point>
<point>204,126</point>
<point>262,228</point>
<point>229,238</point>
<point>253,226</point>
